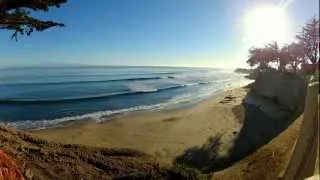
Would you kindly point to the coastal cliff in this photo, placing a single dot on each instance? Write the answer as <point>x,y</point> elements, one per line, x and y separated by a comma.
<point>286,91</point>
<point>273,103</point>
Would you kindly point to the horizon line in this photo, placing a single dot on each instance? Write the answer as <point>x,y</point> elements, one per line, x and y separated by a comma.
<point>94,65</point>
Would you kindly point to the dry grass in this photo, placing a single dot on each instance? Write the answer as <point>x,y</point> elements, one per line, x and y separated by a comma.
<point>40,159</point>
<point>8,169</point>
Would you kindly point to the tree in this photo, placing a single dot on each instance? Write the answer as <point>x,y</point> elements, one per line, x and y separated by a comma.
<point>273,52</point>
<point>272,56</point>
<point>309,40</point>
<point>257,58</point>
<point>264,56</point>
<point>292,54</point>
<point>15,15</point>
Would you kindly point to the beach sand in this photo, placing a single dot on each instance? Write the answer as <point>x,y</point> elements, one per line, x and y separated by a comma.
<point>164,134</point>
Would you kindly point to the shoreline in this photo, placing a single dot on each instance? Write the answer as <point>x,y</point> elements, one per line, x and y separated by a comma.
<point>164,133</point>
<point>103,116</point>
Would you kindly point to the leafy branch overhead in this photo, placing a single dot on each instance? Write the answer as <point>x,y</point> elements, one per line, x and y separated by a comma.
<point>15,15</point>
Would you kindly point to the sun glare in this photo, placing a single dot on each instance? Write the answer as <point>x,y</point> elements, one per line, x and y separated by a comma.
<point>266,24</point>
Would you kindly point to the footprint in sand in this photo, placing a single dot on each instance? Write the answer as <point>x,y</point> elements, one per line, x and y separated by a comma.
<point>170,119</point>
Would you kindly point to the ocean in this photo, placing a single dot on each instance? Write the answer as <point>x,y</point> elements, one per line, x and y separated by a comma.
<point>39,97</point>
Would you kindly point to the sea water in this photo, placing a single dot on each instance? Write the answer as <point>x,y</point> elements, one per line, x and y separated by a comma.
<point>38,97</point>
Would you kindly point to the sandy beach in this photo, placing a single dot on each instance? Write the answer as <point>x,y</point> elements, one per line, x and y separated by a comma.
<point>163,134</point>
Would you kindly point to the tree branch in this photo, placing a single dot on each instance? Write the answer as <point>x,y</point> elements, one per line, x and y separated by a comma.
<point>15,16</point>
<point>7,5</point>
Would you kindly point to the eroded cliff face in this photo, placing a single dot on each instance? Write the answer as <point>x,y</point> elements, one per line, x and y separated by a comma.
<point>287,91</point>
<point>273,103</point>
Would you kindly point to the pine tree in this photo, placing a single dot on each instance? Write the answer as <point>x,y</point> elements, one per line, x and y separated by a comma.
<point>15,15</point>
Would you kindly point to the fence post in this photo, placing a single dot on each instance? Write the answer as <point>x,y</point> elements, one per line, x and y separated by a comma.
<point>305,156</point>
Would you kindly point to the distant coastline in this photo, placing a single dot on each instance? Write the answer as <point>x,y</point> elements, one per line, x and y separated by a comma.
<point>244,70</point>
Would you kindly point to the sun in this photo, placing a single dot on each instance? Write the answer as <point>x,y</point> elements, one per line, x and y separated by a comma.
<point>265,24</point>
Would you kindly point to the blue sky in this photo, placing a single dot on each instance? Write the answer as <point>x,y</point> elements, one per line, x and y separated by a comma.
<point>206,33</point>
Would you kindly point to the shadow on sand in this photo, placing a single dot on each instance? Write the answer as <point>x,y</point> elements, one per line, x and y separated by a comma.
<point>258,129</point>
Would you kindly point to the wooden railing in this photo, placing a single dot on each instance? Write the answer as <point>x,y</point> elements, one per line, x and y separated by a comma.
<point>304,162</point>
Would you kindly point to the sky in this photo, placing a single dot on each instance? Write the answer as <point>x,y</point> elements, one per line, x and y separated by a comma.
<point>193,33</point>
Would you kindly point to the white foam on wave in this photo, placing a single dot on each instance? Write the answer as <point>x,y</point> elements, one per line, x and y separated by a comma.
<point>141,87</point>
<point>97,116</point>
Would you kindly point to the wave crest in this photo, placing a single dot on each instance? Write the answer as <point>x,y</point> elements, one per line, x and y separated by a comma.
<point>99,96</point>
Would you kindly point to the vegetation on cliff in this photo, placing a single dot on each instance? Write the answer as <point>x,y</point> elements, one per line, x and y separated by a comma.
<point>299,56</point>
<point>41,159</point>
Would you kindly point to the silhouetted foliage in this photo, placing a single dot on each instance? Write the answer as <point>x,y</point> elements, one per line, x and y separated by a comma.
<point>309,39</point>
<point>292,56</point>
<point>204,158</point>
<point>264,56</point>
<point>289,57</point>
<point>15,15</point>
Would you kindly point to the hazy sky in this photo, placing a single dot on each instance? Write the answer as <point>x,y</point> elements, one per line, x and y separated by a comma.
<point>147,32</point>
